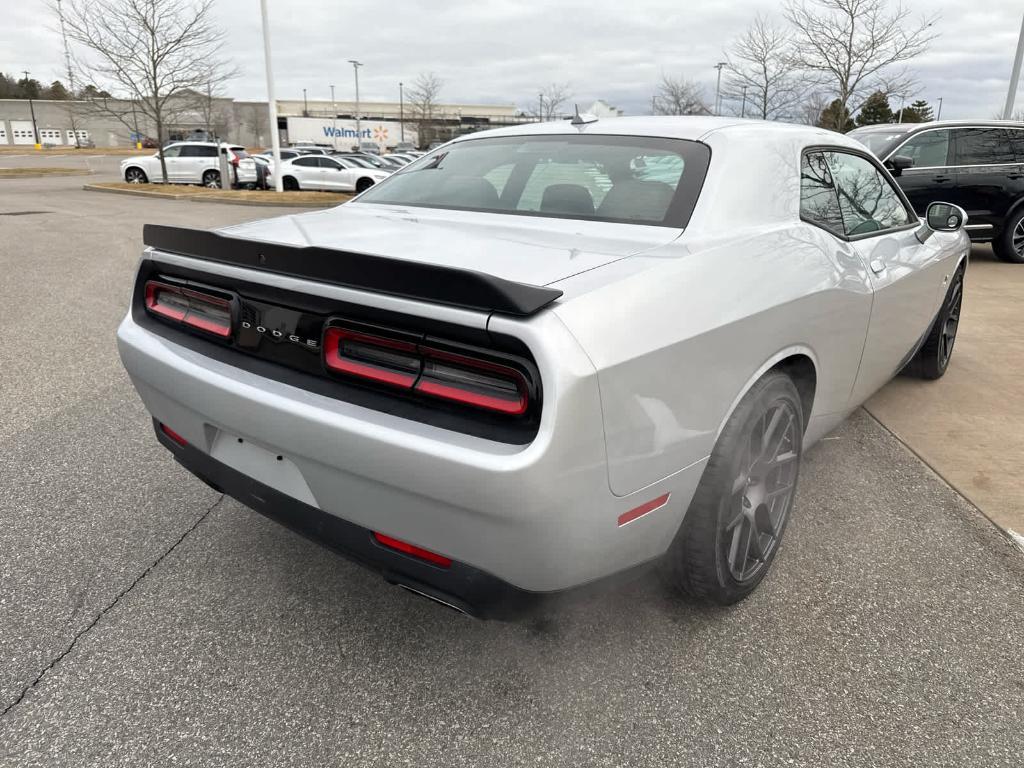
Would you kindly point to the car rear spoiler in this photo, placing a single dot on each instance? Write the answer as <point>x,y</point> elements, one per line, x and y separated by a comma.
<point>410,279</point>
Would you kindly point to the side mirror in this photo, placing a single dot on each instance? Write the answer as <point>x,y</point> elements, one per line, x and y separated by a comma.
<point>897,164</point>
<point>942,217</point>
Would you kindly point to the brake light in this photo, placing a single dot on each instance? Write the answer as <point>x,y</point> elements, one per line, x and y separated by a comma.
<point>189,307</point>
<point>411,549</point>
<point>429,371</point>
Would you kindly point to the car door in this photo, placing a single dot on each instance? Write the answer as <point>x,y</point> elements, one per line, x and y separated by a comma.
<point>931,177</point>
<point>308,172</point>
<point>333,173</point>
<point>906,275</point>
<point>989,176</point>
<point>173,161</point>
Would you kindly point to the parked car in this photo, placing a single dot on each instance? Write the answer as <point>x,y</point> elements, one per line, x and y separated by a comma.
<point>403,146</point>
<point>368,148</point>
<point>401,159</point>
<point>372,161</point>
<point>332,174</point>
<point>979,165</point>
<point>191,162</point>
<point>525,367</point>
<point>312,149</point>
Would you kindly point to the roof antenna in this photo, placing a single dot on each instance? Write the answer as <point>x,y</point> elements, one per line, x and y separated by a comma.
<point>582,119</point>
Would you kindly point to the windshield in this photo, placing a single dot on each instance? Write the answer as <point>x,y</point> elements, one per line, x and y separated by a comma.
<point>601,178</point>
<point>879,142</point>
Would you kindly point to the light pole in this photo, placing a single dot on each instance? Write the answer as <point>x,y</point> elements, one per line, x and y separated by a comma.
<point>718,87</point>
<point>401,113</point>
<point>334,120</point>
<point>1011,93</point>
<point>743,109</point>
<point>305,104</point>
<point>31,109</point>
<point>938,115</point>
<point>275,139</point>
<point>359,126</point>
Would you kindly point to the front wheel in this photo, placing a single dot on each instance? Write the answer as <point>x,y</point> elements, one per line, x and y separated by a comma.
<point>732,530</point>
<point>363,184</point>
<point>211,179</point>
<point>933,358</point>
<point>135,176</point>
<point>1009,246</point>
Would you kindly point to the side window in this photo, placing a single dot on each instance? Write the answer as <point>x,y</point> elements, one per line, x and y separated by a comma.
<point>983,146</point>
<point>306,162</point>
<point>189,151</point>
<point>928,150</point>
<point>1017,142</point>
<point>819,203</point>
<point>867,201</point>
<point>331,165</point>
<point>206,151</point>
<point>174,151</point>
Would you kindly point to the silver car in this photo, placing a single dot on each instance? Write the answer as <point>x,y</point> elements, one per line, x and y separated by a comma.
<point>547,355</point>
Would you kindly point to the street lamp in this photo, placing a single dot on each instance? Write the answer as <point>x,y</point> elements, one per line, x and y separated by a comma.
<point>359,128</point>
<point>305,104</point>
<point>334,120</point>
<point>938,115</point>
<point>32,109</point>
<point>275,138</point>
<point>401,113</point>
<point>718,87</point>
<point>1011,92</point>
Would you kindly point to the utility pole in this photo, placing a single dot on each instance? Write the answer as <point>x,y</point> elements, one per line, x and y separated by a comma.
<point>334,120</point>
<point>275,138</point>
<point>743,109</point>
<point>401,112</point>
<point>305,104</point>
<point>938,115</point>
<point>718,87</point>
<point>32,110</point>
<point>540,108</point>
<point>71,74</point>
<point>359,125</point>
<point>1011,92</point>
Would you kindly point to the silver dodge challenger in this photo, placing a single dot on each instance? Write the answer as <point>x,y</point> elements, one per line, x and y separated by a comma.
<point>546,356</point>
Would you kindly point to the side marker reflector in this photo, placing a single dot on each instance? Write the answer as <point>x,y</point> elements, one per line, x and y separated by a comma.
<point>172,434</point>
<point>412,550</point>
<point>643,509</point>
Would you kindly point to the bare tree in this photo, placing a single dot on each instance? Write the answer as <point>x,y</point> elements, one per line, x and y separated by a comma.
<point>809,110</point>
<point>679,96</point>
<point>157,54</point>
<point>857,46</point>
<point>762,75</point>
<point>423,100</point>
<point>550,99</point>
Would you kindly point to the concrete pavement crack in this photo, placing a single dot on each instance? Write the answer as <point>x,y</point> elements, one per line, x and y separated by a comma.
<point>103,612</point>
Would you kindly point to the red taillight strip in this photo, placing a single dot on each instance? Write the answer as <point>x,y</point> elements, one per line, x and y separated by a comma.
<point>468,397</point>
<point>153,288</point>
<point>643,509</point>
<point>333,338</point>
<point>411,549</point>
<point>172,434</point>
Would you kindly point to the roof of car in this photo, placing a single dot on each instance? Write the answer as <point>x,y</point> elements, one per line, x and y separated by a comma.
<point>908,127</point>
<point>693,128</point>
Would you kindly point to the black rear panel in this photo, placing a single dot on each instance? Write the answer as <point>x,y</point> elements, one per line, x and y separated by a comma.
<point>278,334</point>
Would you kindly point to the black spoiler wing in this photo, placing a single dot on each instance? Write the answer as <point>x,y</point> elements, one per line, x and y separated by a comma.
<point>399,277</point>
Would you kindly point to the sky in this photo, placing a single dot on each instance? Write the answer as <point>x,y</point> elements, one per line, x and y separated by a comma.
<point>504,51</point>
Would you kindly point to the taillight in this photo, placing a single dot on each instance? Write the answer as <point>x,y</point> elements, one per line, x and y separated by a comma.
<point>406,364</point>
<point>411,549</point>
<point>189,307</point>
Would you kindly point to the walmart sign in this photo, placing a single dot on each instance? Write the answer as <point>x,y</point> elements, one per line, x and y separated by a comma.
<point>343,134</point>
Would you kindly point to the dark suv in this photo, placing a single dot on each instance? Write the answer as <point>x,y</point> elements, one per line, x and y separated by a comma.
<point>978,165</point>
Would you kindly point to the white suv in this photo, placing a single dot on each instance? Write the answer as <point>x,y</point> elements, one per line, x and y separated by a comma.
<point>191,162</point>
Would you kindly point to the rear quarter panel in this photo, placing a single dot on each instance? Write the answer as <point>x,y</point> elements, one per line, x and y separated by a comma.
<point>677,342</point>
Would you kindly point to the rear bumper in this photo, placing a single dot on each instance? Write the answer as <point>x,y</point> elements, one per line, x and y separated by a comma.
<point>535,518</point>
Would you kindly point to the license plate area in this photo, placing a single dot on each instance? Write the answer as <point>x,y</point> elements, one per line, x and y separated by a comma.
<point>269,468</point>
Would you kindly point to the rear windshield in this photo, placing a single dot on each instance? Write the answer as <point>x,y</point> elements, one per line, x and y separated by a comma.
<point>879,142</point>
<point>602,178</point>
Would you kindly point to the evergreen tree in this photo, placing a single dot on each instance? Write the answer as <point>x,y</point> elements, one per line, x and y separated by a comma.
<point>836,117</point>
<point>29,88</point>
<point>876,110</point>
<point>56,91</point>
<point>918,112</point>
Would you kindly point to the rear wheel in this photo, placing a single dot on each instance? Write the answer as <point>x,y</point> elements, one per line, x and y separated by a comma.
<point>363,184</point>
<point>1009,246</point>
<point>933,358</point>
<point>732,530</point>
<point>211,179</point>
<point>136,176</point>
<point>290,184</point>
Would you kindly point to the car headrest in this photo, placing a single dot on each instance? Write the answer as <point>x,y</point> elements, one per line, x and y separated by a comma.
<point>567,198</point>
<point>636,199</point>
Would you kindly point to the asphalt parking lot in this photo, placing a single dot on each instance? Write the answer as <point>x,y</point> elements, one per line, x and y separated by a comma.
<point>145,620</point>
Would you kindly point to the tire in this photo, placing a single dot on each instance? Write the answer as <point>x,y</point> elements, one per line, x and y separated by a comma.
<point>290,184</point>
<point>741,494</point>
<point>933,358</point>
<point>1004,246</point>
<point>135,176</point>
<point>211,179</point>
<point>363,184</point>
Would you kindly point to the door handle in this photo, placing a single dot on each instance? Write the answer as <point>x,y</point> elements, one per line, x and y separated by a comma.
<point>877,266</point>
<point>940,178</point>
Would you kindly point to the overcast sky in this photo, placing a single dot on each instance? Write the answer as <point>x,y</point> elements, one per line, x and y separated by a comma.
<point>502,51</point>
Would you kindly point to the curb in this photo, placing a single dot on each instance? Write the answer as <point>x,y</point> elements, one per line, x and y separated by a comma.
<point>68,172</point>
<point>194,198</point>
